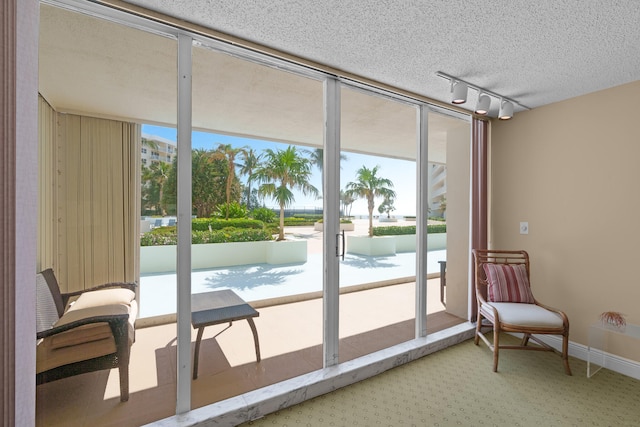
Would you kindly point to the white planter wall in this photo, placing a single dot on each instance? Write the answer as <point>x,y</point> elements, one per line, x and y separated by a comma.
<point>371,246</point>
<point>390,245</point>
<point>162,259</point>
<point>436,241</point>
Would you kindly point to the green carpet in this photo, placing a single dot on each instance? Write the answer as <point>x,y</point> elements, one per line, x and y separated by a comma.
<point>457,387</point>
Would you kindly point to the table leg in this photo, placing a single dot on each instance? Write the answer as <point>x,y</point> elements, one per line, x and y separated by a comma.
<point>255,337</point>
<point>196,354</point>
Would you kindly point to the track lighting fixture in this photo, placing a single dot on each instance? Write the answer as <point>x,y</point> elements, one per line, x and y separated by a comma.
<point>483,105</point>
<point>506,110</point>
<point>459,91</point>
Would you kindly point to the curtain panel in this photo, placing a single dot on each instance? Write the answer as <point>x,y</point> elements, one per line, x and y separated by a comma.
<point>479,208</point>
<point>89,194</point>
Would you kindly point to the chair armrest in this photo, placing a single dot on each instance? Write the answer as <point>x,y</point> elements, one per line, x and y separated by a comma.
<point>561,313</point>
<point>481,300</point>
<point>116,322</point>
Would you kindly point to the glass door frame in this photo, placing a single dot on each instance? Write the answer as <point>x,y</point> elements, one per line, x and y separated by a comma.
<point>331,182</point>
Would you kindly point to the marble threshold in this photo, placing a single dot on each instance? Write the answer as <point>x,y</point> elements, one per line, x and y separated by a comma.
<point>258,403</point>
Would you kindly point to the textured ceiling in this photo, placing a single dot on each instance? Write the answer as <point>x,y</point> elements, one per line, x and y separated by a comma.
<point>536,52</point>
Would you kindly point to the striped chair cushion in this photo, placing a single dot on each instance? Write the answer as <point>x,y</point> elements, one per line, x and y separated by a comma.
<point>508,283</point>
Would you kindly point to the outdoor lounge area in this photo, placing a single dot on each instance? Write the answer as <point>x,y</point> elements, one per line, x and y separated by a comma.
<point>377,310</point>
<point>228,366</point>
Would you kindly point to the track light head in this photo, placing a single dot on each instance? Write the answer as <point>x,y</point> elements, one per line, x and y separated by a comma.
<point>483,105</point>
<point>459,90</point>
<point>506,110</point>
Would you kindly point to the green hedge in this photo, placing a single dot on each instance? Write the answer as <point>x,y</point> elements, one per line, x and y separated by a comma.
<point>203,224</point>
<point>225,235</point>
<point>342,221</point>
<point>310,217</point>
<point>395,230</point>
<point>296,221</point>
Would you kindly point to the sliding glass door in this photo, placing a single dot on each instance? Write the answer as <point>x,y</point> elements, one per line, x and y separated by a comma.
<point>324,204</point>
<point>256,201</point>
<point>378,193</point>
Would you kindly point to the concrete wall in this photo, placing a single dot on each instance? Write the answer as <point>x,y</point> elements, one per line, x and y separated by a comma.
<point>572,170</point>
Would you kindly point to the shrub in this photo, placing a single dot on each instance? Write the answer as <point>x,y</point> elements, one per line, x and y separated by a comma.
<point>203,224</point>
<point>296,221</point>
<point>437,228</point>
<point>158,239</point>
<point>310,217</point>
<point>342,221</point>
<point>225,235</point>
<point>235,209</point>
<point>230,234</point>
<point>265,215</point>
<point>163,231</point>
<point>272,228</point>
<point>395,230</point>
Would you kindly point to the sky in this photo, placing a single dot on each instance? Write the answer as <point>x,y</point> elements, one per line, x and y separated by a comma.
<point>401,172</point>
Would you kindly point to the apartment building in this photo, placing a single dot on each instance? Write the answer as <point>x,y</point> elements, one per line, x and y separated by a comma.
<point>156,149</point>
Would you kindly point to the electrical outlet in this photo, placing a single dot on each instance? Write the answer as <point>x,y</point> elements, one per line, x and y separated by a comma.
<point>524,228</point>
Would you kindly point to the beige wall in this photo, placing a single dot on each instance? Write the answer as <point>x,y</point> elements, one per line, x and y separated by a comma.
<point>572,170</point>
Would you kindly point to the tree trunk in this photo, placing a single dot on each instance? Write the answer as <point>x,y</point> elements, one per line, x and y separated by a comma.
<point>281,234</point>
<point>228,195</point>
<point>370,205</point>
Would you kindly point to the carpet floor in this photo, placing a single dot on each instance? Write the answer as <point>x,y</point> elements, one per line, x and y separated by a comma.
<point>457,387</point>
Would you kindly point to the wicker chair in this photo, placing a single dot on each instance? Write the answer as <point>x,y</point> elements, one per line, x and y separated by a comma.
<point>505,300</point>
<point>84,331</point>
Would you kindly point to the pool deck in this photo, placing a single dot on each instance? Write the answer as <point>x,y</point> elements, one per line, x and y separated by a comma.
<point>278,282</point>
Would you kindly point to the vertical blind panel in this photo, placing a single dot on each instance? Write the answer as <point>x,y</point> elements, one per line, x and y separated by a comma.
<point>96,219</point>
<point>46,246</point>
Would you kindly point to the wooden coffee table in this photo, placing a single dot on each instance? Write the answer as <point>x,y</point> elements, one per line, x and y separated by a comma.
<point>214,308</point>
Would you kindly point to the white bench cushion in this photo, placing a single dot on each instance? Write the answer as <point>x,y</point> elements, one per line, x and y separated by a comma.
<point>522,314</point>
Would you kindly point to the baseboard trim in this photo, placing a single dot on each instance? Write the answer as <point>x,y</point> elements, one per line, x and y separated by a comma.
<point>618,364</point>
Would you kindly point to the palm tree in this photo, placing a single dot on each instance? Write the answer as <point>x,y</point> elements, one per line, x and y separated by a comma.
<point>280,172</point>
<point>149,143</point>
<point>229,153</point>
<point>369,186</point>
<point>316,157</point>
<point>250,162</point>
<point>157,175</point>
<point>346,201</point>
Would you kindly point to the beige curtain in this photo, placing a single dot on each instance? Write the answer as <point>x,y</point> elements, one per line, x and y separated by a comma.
<point>46,185</point>
<point>90,199</point>
<point>479,197</point>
